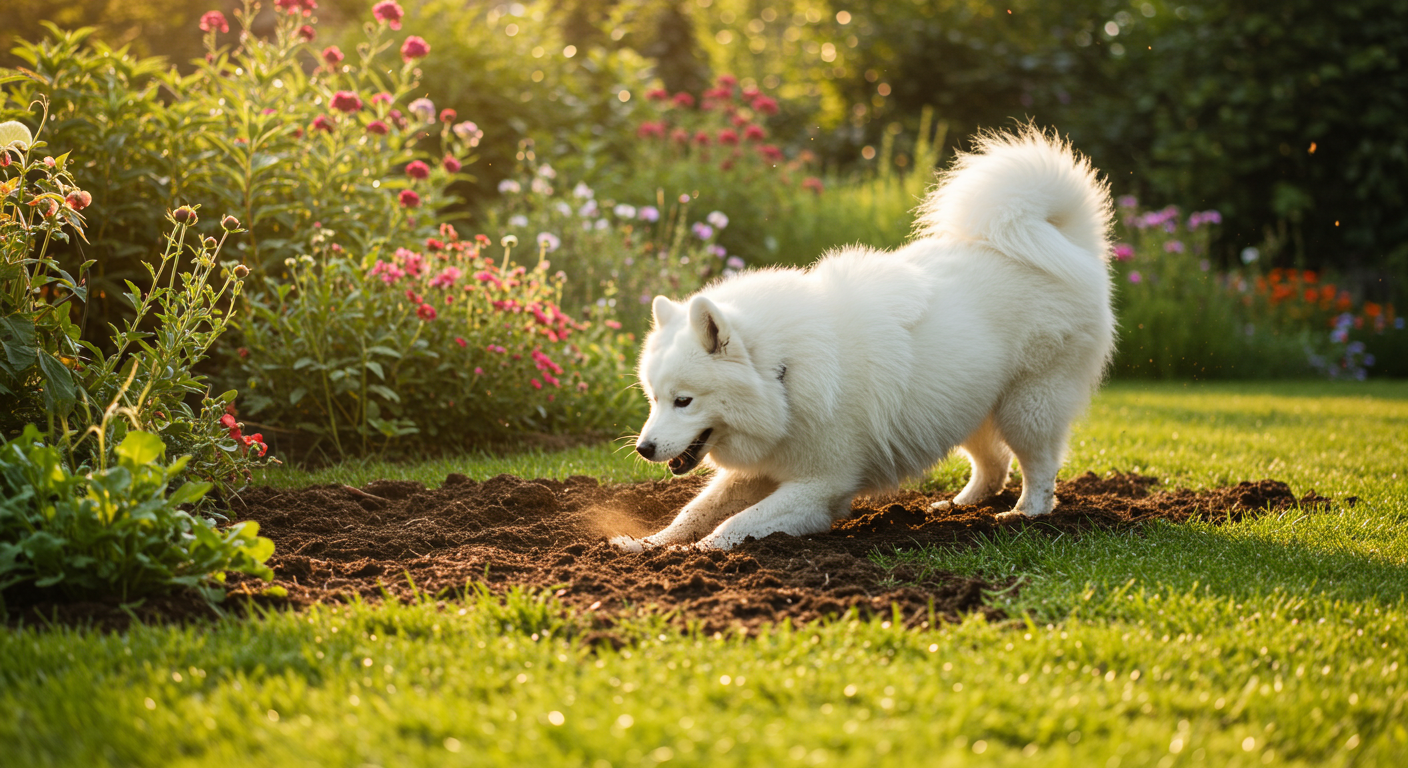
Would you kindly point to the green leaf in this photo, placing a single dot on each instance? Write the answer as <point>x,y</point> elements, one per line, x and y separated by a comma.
<point>140,448</point>
<point>61,394</point>
<point>297,394</point>
<point>375,367</point>
<point>19,340</point>
<point>189,493</point>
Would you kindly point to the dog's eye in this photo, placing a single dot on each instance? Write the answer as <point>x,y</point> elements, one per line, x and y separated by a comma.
<point>681,402</point>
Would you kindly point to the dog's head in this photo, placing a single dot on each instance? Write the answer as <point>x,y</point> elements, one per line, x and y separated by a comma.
<point>705,393</point>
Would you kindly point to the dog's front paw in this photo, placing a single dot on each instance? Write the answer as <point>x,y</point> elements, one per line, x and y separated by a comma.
<point>629,543</point>
<point>941,506</point>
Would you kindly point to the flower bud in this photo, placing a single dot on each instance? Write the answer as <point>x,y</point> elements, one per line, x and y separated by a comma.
<point>78,199</point>
<point>230,223</point>
<point>184,215</point>
<point>241,271</point>
<point>211,242</point>
<point>509,241</point>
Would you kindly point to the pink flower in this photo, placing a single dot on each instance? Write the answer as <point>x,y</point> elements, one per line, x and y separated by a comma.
<point>1135,277</point>
<point>306,7</point>
<point>613,325</point>
<point>306,32</point>
<point>409,199</point>
<point>727,81</point>
<point>414,48</point>
<point>413,297</point>
<point>702,138</point>
<point>323,123</point>
<point>417,170</point>
<point>211,21</point>
<point>378,127</point>
<point>426,312</point>
<point>754,133</point>
<point>460,341</point>
<point>389,12</point>
<point>679,136</point>
<point>388,272</point>
<point>451,164</point>
<point>728,137</point>
<point>765,105</point>
<point>650,129</point>
<point>478,371</point>
<point>771,152</point>
<point>1173,246</point>
<point>1124,251</point>
<point>683,99</point>
<point>382,98</point>
<point>332,55</point>
<point>346,101</point>
<point>447,115</point>
<point>536,384</point>
<point>812,183</point>
<point>446,278</point>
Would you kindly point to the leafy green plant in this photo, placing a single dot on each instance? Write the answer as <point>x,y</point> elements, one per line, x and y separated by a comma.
<point>113,531</point>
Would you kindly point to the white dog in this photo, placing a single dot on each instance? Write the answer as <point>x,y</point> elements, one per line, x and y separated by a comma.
<point>803,388</point>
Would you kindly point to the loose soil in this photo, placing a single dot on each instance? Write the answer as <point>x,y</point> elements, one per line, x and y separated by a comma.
<point>334,542</point>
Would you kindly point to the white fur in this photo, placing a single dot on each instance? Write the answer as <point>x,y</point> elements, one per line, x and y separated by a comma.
<point>988,333</point>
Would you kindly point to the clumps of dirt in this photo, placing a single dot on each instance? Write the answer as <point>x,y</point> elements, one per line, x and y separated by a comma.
<point>334,542</point>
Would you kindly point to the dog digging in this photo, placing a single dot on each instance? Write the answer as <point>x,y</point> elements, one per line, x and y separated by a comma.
<point>337,542</point>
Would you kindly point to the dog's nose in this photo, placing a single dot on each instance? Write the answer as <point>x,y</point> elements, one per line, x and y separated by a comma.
<point>646,449</point>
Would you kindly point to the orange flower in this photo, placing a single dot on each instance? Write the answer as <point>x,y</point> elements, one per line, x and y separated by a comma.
<point>1311,295</point>
<point>1311,277</point>
<point>1327,292</point>
<point>1281,292</point>
<point>1275,275</point>
<point>1372,310</point>
<point>1344,303</point>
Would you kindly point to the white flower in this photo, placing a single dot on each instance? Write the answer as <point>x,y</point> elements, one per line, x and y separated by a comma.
<point>1249,255</point>
<point>625,211</point>
<point>718,219</point>
<point>548,241</point>
<point>582,190</point>
<point>13,132</point>
<point>563,208</point>
<point>602,224</point>
<point>508,241</point>
<point>510,186</point>
<point>588,210</point>
<point>541,187</point>
<point>518,220</point>
<point>546,171</point>
<point>423,108</point>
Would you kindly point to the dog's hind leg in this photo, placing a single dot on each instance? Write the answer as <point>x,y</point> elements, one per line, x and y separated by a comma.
<point>725,496</point>
<point>992,463</point>
<point>1035,421</point>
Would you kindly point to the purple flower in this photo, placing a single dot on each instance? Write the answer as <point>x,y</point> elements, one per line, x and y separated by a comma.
<point>1204,217</point>
<point>718,250</point>
<point>424,109</point>
<point>702,230</point>
<point>734,263</point>
<point>649,213</point>
<point>1129,201</point>
<point>1174,246</point>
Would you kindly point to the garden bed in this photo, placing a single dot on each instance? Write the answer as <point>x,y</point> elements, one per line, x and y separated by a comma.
<point>335,542</point>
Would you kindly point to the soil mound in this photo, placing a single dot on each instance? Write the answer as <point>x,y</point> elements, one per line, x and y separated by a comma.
<point>336,541</point>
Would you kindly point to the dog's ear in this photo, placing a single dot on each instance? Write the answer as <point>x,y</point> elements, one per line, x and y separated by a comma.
<point>664,311</point>
<point>709,325</point>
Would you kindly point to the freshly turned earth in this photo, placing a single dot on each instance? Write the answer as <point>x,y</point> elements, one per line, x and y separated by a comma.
<point>334,542</point>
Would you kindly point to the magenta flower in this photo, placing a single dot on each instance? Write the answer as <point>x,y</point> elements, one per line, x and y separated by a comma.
<point>305,7</point>
<point>1129,201</point>
<point>1174,246</point>
<point>1124,251</point>
<point>307,33</point>
<point>346,101</point>
<point>389,12</point>
<point>683,99</point>
<point>754,133</point>
<point>323,123</point>
<point>382,98</point>
<point>446,278</point>
<point>728,137</point>
<point>414,48</point>
<point>377,127</point>
<point>332,55</point>
<point>1135,277</point>
<point>417,170</point>
<point>765,105</point>
<point>451,164</point>
<point>426,312</point>
<point>211,21</point>
<point>409,199</point>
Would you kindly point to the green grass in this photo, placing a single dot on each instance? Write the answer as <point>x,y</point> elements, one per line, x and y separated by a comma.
<point>1276,641</point>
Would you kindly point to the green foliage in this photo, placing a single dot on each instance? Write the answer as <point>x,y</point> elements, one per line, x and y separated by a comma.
<point>114,530</point>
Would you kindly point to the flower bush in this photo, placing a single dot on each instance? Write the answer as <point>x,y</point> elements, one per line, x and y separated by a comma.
<point>1180,317</point>
<point>448,340</point>
<point>146,369</point>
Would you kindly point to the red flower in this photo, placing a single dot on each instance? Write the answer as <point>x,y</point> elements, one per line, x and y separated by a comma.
<point>389,12</point>
<point>765,105</point>
<point>460,341</point>
<point>414,297</point>
<point>754,133</point>
<point>417,170</point>
<point>738,121</point>
<point>447,115</point>
<point>812,183</point>
<point>414,48</point>
<point>657,94</point>
<point>228,420</point>
<point>212,21</point>
<point>425,312</point>
<point>322,123</point>
<point>78,199</point>
<point>649,129</point>
<point>451,164</point>
<point>728,137</point>
<point>346,101</point>
<point>243,352</point>
<point>409,199</point>
<point>306,7</point>
<point>683,99</point>
<point>377,127</point>
<point>702,138</point>
<point>306,32</point>
<point>771,152</point>
<point>332,55</point>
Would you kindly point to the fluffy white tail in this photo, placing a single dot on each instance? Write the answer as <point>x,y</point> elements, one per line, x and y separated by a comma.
<point>1029,197</point>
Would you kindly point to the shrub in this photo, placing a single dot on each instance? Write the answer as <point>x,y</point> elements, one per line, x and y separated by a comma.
<point>445,341</point>
<point>113,531</point>
<point>147,367</point>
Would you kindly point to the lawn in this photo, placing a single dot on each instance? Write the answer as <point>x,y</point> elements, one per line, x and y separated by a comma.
<point>1273,641</point>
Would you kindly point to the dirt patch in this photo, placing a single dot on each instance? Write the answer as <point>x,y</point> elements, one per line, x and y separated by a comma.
<point>335,541</point>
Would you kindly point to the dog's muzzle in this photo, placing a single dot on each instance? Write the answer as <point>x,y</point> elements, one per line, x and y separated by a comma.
<point>692,455</point>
